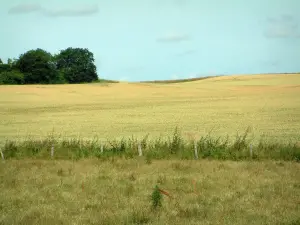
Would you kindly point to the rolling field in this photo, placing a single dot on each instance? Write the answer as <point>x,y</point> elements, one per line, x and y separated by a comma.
<point>268,104</point>
<point>115,190</point>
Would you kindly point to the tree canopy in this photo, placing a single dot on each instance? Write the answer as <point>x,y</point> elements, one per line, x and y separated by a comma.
<point>11,77</point>
<point>77,64</point>
<point>37,66</point>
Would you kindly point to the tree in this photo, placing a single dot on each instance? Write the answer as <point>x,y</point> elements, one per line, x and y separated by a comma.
<point>12,62</point>
<point>1,62</point>
<point>5,68</point>
<point>38,66</point>
<point>77,65</point>
<point>9,61</point>
<point>11,77</point>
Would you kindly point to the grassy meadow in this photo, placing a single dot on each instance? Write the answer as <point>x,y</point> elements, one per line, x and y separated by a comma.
<point>118,192</point>
<point>84,184</point>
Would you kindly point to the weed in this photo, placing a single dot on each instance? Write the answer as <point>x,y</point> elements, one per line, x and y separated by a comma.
<point>60,172</point>
<point>175,144</point>
<point>156,198</point>
<point>175,147</point>
<point>132,177</point>
<point>70,171</point>
<point>148,159</point>
<point>139,217</point>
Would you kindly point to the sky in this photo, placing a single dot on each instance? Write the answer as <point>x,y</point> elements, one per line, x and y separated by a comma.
<point>137,40</point>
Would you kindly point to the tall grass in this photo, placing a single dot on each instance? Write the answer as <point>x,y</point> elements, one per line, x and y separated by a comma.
<point>175,147</point>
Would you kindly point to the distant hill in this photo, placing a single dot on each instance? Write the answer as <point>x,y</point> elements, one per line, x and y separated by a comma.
<point>187,79</point>
<point>178,80</point>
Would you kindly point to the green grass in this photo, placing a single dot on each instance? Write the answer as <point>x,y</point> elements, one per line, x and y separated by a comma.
<point>119,192</point>
<point>174,147</point>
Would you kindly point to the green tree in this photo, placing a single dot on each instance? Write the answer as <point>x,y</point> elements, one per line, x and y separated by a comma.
<point>77,65</point>
<point>11,77</point>
<point>1,62</point>
<point>12,62</point>
<point>5,68</point>
<point>38,66</point>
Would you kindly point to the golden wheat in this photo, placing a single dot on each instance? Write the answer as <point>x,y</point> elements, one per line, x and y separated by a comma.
<point>269,104</point>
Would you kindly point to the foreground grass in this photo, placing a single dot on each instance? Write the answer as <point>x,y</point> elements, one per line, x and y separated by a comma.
<point>118,192</point>
<point>270,104</point>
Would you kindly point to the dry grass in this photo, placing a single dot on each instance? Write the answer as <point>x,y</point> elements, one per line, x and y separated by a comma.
<point>270,104</point>
<point>118,192</point>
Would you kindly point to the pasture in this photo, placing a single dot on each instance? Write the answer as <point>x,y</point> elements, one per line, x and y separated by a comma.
<point>117,190</point>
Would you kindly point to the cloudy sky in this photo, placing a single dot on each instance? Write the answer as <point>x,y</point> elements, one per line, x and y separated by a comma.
<point>160,39</point>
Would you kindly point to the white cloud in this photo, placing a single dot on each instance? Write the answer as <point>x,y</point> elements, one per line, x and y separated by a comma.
<point>173,37</point>
<point>70,11</point>
<point>25,8</point>
<point>282,27</point>
<point>84,10</point>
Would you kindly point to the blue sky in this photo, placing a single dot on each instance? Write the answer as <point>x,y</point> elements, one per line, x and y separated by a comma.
<point>160,39</point>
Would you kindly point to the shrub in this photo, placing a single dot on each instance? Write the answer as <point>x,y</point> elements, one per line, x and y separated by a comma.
<point>156,198</point>
<point>11,77</point>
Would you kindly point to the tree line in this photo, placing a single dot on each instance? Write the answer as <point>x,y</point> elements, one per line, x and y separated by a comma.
<point>71,65</point>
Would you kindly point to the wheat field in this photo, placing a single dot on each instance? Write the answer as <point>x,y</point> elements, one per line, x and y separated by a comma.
<point>268,104</point>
